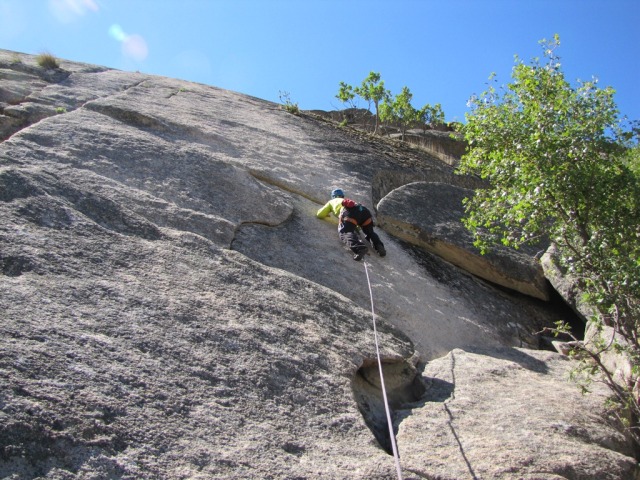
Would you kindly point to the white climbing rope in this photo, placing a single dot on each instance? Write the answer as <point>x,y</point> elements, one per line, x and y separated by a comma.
<point>392,436</point>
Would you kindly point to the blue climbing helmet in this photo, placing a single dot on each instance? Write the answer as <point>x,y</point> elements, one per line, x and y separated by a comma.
<point>337,193</point>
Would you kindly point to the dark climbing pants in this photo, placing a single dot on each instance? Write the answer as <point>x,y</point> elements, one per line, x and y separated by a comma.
<point>360,216</point>
<point>349,236</point>
<point>371,236</point>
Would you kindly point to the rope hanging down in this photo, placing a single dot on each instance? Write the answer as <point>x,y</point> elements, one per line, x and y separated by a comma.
<point>392,436</point>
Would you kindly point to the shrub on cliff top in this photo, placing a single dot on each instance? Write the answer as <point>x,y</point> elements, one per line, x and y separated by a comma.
<point>48,61</point>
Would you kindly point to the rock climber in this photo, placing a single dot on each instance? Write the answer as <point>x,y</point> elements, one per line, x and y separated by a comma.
<point>352,215</point>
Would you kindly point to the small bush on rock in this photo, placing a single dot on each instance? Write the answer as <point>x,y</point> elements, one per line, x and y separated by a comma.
<point>48,61</point>
<point>289,106</point>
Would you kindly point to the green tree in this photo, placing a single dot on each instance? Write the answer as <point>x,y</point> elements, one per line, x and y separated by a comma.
<point>373,91</point>
<point>399,110</point>
<point>634,161</point>
<point>557,161</point>
<point>633,154</point>
<point>346,94</point>
<point>431,115</point>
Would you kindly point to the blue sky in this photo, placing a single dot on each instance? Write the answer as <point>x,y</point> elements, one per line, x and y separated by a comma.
<point>443,50</point>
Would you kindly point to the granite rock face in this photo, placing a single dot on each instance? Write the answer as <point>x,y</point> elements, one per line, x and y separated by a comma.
<point>453,433</point>
<point>428,215</point>
<point>171,307</point>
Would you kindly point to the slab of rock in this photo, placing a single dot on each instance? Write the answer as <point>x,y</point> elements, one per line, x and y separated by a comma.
<point>428,215</point>
<point>511,414</point>
<point>172,308</point>
<point>134,352</point>
<point>564,284</point>
<point>439,143</point>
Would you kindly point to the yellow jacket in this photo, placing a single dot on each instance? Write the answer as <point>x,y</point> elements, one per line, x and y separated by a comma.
<point>334,205</point>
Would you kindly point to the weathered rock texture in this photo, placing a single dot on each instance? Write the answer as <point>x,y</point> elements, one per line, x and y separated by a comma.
<point>171,307</point>
<point>428,215</point>
<point>453,433</point>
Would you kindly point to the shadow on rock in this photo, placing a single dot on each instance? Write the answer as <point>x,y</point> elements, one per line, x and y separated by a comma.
<point>403,386</point>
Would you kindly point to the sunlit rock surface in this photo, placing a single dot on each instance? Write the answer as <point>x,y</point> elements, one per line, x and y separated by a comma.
<point>171,307</point>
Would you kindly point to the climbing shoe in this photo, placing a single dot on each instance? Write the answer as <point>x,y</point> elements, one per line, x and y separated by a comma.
<point>360,254</point>
<point>381,251</point>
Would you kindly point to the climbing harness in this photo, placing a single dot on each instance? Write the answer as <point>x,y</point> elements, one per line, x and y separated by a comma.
<point>355,222</point>
<point>384,390</point>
